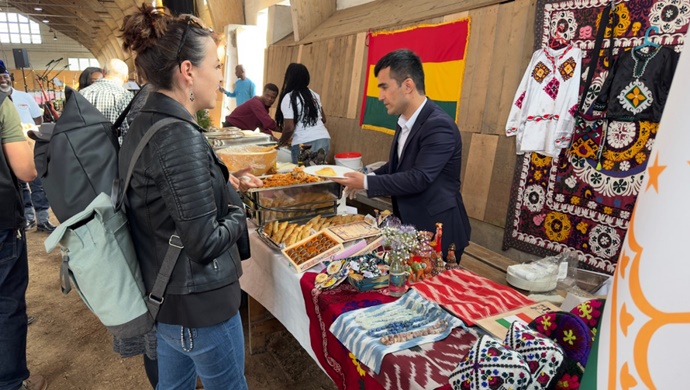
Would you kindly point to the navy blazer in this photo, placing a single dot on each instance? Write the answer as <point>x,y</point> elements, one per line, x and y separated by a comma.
<point>425,182</point>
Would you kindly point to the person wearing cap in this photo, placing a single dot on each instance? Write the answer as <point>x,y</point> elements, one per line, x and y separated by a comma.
<point>16,162</point>
<point>35,201</point>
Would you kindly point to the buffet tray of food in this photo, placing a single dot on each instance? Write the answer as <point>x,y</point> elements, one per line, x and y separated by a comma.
<point>291,196</point>
<point>280,234</point>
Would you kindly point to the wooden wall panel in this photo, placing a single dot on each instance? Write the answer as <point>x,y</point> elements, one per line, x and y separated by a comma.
<point>501,182</point>
<point>382,14</point>
<point>517,55</point>
<point>466,142</point>
<point>480,164</point>
<point>479,58</point>
<point>347,136</point>
<point>358,77</point>
<point>499,58</point>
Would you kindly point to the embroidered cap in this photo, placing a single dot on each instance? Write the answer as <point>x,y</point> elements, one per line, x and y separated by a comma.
<point>491,366</point>
<point>543,355</point>
<point>3,68</point>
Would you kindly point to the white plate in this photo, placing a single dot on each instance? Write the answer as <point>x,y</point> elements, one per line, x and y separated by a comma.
<point>339,171</point>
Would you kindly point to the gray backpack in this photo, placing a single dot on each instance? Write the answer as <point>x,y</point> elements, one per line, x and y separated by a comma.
<point>99,260</point>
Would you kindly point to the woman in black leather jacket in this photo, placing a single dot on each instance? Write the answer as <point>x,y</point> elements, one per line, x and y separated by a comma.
<point>180,187</point>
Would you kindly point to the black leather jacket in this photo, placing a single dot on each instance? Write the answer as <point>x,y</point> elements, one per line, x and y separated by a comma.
<point>179,184</point>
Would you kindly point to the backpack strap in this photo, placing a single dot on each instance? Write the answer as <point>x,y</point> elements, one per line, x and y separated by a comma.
<point>156,296</point>
<point>123,115</point>
<point>118,192</point>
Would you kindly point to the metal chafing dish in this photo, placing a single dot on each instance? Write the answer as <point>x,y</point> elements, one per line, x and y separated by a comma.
<point>233,136</point>
<point>294,202</point>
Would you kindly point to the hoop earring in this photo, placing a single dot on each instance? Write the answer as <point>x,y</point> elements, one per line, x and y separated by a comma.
<point>191,96</point>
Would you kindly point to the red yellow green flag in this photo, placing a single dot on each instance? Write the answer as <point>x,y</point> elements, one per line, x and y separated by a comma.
<point>442,49</point>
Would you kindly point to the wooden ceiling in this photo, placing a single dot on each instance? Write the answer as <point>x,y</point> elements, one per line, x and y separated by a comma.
<point>95,23</point>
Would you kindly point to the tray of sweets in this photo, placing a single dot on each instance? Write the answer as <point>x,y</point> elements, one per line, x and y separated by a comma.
<point>280,234</point>
<point>354,230</point>
<point>311,251</point>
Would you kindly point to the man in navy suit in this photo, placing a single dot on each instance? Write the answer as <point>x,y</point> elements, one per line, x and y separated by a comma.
<point>422,174</point>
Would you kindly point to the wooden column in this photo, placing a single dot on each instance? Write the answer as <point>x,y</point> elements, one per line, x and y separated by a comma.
<point>224,12</point>
<point>309,14</point>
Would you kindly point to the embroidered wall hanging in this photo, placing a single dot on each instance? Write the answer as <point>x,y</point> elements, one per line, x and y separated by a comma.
<point>443,62</point>
<point>583,198</point>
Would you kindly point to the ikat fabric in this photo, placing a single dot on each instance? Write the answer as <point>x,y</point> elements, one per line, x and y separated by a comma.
<point>541,117</point>
<point>470,296</point>
<point>490,365</point>
<point>582,199</point>
<point>368,349</point>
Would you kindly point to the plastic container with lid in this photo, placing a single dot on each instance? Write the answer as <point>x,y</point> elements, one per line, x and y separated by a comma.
<point>351,160</point>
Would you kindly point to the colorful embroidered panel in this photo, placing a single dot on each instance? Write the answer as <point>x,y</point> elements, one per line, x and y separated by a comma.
<point>443,62</point>
<point>583,199</point>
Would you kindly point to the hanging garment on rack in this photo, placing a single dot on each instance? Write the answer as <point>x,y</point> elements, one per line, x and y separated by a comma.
<point>541,116</point>
<point>638,85</point>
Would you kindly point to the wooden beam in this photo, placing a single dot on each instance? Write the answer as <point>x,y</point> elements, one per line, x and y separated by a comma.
<point>382,14</point>
<point>224,12</point>
<point>307,15</point>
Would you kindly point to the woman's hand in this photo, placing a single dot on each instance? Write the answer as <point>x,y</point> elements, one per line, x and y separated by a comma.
<point>244,181</point>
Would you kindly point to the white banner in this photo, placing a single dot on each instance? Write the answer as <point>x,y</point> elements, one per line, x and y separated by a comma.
<point>645,332</point>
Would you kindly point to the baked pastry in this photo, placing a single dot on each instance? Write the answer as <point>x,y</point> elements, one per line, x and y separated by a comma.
<point>327,171</point>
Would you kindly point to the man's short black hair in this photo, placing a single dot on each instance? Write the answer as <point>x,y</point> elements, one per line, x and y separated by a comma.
<point>403,63</point>
<point>271,87</point>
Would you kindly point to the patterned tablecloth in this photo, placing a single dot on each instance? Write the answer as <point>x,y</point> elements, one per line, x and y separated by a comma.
<point>308,313</point>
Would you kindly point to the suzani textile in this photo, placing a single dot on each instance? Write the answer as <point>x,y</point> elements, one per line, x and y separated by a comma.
<point>583,199</point>
<point>443,62</point>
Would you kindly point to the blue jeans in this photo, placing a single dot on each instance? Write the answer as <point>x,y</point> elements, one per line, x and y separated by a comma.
<point>35,200</point>
<point>14,277</point>
<point>323,143</point>
<point>214,353</point>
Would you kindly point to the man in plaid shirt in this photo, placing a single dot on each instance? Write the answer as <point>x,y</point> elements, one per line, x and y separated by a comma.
<point>108,94</point>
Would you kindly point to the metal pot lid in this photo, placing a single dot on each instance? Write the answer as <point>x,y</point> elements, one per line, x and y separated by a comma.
<point>224,134</point>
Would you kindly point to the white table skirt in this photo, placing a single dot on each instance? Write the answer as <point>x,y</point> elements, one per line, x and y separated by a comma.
<point>268,279</point>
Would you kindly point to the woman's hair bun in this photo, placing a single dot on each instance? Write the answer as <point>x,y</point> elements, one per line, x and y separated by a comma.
<point>142,29</point>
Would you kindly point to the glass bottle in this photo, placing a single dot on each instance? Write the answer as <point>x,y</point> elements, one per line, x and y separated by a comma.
<point>397,275</point>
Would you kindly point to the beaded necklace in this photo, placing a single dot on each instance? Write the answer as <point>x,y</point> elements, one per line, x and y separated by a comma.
<point>439,327</point>
<point>398,327</point>
<point>646,58</point>
<point>387,314</point>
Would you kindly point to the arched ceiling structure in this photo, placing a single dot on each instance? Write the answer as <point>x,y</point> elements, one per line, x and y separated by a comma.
<point>95,23</point>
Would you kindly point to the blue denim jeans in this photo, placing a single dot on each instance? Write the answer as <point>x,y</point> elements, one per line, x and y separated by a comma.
<point>214,353</point>
<point>35,200</point>
<point>323,143</point>
<point>14,277</point>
